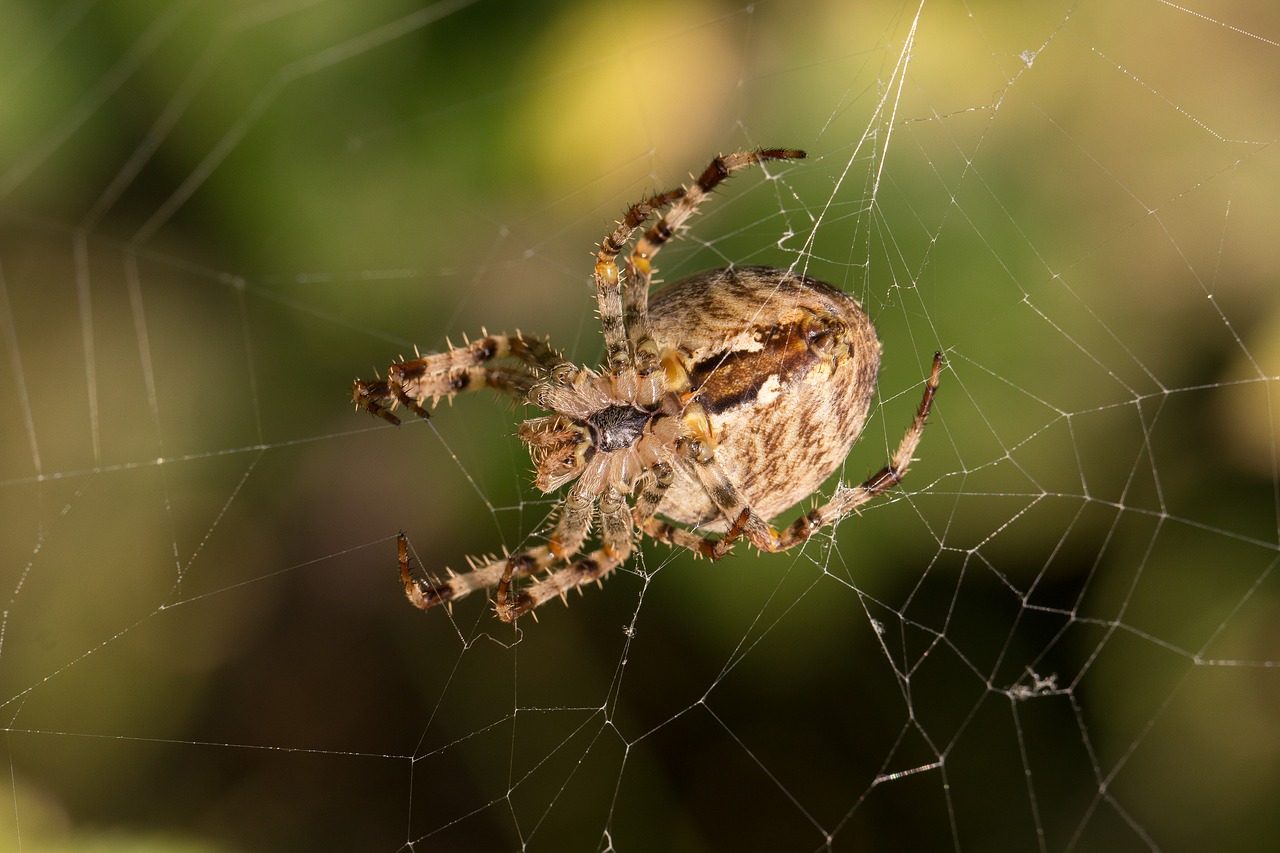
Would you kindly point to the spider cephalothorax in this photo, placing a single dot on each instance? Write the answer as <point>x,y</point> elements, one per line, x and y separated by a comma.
<point>724,401</point>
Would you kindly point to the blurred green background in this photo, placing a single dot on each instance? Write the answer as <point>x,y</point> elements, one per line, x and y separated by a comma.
<point>213,216</point>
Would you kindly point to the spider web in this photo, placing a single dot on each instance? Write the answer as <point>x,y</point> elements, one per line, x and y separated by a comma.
<point>1060,634</point>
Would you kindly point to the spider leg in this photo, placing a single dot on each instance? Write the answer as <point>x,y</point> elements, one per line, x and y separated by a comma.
<point>724,494</point>
<point>645,517</point>
<point>425,594</point>
<point>639,264</point>
<point>608,287</point>
<point>413,389</point>
<point>444,374</point>
<point>846,500</point>
<point>764,536</point>
<point>616,525</point>
<point>592,567</point>
<point>564,542</point>
<point>615,521</point>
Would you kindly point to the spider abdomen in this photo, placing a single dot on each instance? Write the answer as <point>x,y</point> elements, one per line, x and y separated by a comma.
<point>784,367</point>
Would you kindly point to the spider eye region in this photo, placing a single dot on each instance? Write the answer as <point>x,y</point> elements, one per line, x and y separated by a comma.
<point>616,427</point>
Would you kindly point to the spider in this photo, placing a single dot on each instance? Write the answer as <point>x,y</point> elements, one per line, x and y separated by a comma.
<point>724,400</point>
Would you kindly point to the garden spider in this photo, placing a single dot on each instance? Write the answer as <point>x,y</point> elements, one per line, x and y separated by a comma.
<point>723,401</point>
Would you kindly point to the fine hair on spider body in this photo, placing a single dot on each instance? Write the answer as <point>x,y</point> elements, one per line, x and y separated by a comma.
<point>724,399</point>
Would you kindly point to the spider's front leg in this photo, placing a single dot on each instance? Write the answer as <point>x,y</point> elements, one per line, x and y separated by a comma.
<point>444,374</point>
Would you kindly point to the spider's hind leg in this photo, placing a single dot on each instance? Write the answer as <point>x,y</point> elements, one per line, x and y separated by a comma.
<point>846,500</point>
<point>645,516</point>
<point>747,522</point>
